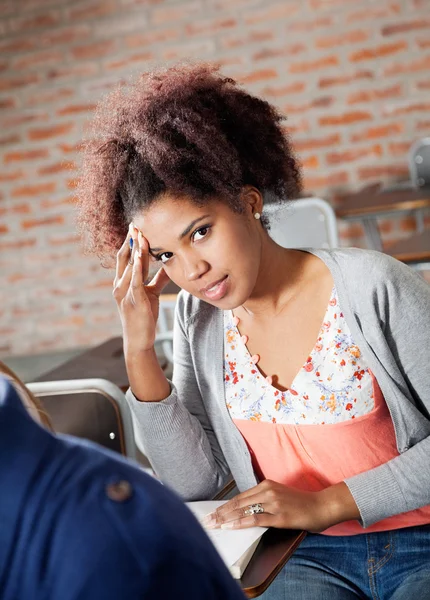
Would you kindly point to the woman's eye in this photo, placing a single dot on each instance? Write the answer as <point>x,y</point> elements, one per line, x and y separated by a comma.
<point>203,231</point>
<point>165,256</point>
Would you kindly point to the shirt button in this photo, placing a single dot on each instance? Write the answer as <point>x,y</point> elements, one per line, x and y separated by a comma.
<point>119,491</point>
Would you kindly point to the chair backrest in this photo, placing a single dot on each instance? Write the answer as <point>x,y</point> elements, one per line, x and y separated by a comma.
<point>95,409</point>
<point>419,163</point>
<point>306,222</point>
<point>166,317</point>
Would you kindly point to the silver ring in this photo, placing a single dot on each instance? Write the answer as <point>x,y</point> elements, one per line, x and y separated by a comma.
<point>254,509</point>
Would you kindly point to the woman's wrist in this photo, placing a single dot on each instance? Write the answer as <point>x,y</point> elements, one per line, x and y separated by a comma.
<point>337,504</point>
<point>145,375</point>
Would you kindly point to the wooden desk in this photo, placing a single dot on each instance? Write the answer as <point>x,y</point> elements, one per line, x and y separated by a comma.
<point>275,548</point>
<point>371,203</point>
<point>414,249</point>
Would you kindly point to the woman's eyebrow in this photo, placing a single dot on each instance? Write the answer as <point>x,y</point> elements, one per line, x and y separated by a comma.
<point>183,234</point>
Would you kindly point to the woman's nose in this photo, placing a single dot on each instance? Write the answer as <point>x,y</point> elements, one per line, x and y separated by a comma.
<point>195,269</point>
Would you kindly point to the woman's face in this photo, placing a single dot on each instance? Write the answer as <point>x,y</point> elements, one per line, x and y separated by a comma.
<point>211,251</point>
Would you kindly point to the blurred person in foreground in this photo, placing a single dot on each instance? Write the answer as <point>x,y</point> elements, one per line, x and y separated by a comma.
<point>300,372</point>
<point>78,522</point>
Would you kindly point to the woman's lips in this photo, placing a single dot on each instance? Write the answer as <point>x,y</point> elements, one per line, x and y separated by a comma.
<point>217,291</point>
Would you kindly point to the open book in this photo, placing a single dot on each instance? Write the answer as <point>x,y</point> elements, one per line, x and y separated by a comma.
<point>236,546</point>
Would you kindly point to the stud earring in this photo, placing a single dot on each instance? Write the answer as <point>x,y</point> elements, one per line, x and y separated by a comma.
<point>257,216</point>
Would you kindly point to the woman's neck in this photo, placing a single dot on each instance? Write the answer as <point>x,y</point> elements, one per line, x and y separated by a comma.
<point>281,272</point>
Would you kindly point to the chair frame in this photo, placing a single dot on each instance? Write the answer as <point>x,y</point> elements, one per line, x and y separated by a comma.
<point>95,385</point>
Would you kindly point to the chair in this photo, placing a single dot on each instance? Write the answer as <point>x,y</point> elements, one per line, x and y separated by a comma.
<point>307,222</point>
<point>95,409</point>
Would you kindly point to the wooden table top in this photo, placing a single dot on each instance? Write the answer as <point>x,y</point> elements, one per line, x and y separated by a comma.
<point>415,248</point>
<point>370,202</point>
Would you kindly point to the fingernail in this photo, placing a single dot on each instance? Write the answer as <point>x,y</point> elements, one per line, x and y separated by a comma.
<point>207,519</point>
<point>131,242</point>
<point>255,358</point>
<point>229,525</point>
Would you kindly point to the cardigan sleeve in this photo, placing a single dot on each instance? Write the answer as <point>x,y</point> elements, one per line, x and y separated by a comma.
<point>175,433</point>
<point>401,302</point>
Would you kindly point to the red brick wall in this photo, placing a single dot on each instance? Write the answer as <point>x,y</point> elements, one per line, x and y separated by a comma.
<point>352,76</point>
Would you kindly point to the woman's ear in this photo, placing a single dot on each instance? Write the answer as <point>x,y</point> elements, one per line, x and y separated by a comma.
<point>252,200</point>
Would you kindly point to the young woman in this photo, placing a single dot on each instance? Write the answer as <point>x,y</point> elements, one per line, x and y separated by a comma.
<point>302,374</point>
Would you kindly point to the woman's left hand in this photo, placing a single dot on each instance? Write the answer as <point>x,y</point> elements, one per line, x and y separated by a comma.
<point>285,508</point>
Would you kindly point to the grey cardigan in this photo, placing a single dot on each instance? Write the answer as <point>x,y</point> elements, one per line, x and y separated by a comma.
<point>194,446</point>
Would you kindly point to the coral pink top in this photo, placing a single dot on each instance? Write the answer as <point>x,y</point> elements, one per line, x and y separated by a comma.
<point>331,424</point>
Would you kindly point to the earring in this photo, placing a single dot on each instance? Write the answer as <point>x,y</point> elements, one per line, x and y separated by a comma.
<point>257,216</point>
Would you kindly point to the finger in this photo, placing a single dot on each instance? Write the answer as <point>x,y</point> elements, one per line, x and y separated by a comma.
<point>233,510</point>
<point>242,499</point>
<point>256,520</point>
<point>143,248</point>
<point>159,281</point>
<point>122,257</point>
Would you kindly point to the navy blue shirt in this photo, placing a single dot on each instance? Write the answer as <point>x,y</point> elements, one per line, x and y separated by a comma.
<point>80,522</point>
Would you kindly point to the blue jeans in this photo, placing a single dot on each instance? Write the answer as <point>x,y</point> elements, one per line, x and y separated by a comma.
<point>389,565</point>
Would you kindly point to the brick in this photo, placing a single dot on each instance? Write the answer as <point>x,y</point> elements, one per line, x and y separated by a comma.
<point>92,10</point>
<point>259,75</point>
<point>130,60</point>
<point>406,108</point>
<point>129,22</point>
<point>388,171</point>
<point>405,27</point>
<point>3,229</point>
<point>22,119</point>
<point>310,162</point>
<point>12,83</point>
<point>279,11</point>
<point>328,4</point>
<point>10,140</point>
<point>75,109</point>
<point>200,48</point>
<point>251,37</point>
<point>48,97</point>
<point>25,155</point>
<point>23,25</point>
<point>63,240</point>
<point>45,133</point>
<point>379,131</point>
<point>345,118</point>
<point>43,222</point>
<point>94,50</point>
<point>424,44</point>
<point>288,50</point>
<point>209,27</point>
<point>339,39</point>
<point>72,184</point>
<point>17,45</point>
<point>310,25</point>
<point>399,148</point>
<point>151,37</point>
<point>325,181</point>
<point>377,51</point>
<point>83,70</point>
<point>353,154</point>
<point>315,103</point>
<point>419,64</point>
<point>58,203</point>
<point>7,103</point>
<point>423,85</point>
<point>277,92</point>
<point>59,167</point>
<point>70,148</point>
<point>391,9</point>
<point>65,35</point>
<point>345,79</point>
<point>408,224</point>
<point>10,176</point>
<point>36,189</point>
<point>393,91</point>
<point>347,232</point>
<point>17,244</point>
<point>314,143</point>
<point>175,14</point>
<point>38,59</point>
<point>19,209</point>
<point>423,126</point>
<point>297,126</point>
<point>314,65</point>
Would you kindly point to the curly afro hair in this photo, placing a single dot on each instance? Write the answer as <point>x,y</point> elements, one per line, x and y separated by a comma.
<point>187,130</point>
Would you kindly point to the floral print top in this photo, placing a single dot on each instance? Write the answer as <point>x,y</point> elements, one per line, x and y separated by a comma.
<point>333,385</point>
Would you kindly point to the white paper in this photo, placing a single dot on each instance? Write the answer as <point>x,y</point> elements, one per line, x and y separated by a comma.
<point>230,543</point>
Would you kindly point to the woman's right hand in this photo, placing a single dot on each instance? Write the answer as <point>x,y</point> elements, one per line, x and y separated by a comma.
<point>138,304</point>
